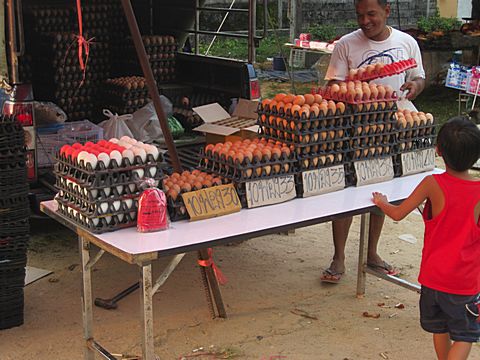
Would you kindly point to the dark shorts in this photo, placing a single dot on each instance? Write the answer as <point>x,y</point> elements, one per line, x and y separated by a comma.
<point>446,313</point>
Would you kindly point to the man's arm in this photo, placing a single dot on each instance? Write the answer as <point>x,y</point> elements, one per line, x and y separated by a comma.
<point>414,87</point>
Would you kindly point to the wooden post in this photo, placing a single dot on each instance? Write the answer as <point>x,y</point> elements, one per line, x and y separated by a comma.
<point>151,83</point>
<point>296,18</point>
<point>280,14</point>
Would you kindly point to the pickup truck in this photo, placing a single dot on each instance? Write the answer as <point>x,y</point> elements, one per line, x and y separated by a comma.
<point>33,57</point>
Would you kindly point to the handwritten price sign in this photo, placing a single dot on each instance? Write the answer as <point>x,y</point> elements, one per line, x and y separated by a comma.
<point>374,171</point>
<point>321,181</point>
<point>270,191</point>
<point>211,202</point>
<point>418,161</point>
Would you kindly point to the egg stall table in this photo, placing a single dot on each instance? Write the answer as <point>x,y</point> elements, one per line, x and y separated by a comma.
<point>142,249</point>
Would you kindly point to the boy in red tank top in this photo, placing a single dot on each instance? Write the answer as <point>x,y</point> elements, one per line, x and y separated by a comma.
<point>450,267</point>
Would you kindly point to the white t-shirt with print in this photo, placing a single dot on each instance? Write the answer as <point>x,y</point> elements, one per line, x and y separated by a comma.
<point>355,50</point>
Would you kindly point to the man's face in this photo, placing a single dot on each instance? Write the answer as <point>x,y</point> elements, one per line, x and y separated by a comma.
<point>372,18</point>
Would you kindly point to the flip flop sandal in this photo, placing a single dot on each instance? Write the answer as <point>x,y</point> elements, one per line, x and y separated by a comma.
<point>331,276</point>
<point>385,268</point>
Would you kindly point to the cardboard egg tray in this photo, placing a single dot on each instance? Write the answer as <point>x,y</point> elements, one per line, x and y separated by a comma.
<point>95,224</point>
<point>254,170</point>
<point>347,168</point>
<point>116,174</point>
<point>394,68</point>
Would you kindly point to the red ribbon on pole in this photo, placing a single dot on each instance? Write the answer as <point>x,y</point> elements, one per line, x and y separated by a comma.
<point>209,262</point>
<point>83,44</point>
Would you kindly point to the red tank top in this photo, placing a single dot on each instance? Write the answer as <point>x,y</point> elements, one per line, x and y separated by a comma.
<point>451,250</point>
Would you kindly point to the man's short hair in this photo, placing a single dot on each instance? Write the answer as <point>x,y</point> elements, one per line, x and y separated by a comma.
<point>382,3</point>
<point>459,143</point>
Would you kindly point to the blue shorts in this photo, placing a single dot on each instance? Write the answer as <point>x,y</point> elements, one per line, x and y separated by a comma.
<point>441,313</point>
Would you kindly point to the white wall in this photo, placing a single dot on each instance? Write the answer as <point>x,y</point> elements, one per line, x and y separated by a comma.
<point>464,9</point>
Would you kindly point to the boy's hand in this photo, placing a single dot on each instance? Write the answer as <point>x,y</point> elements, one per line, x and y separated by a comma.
<point>379,198</point>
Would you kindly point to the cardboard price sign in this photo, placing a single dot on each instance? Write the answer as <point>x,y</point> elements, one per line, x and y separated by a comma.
<point>418,161</point>
<point>270,191</point>
<point>321,181</point>
<point>211,202</point>
<point>373,171</point>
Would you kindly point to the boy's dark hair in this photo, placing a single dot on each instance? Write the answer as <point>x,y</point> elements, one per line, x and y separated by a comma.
<point>459,143</point>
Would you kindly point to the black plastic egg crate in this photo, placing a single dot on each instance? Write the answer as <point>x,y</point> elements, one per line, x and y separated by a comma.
<point>96,224</point>
<point>115,174</point>
<point>13,245</point>
<point>256,169</point>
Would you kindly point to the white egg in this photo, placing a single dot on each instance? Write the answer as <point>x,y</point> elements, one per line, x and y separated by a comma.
<point>128,154</point>
<point>94,193</point>
<point>115,155</point>
<point>103,207</point>
<point>120,217</point>
<point>152,171</point>
<point>92,160</point>
<point>119,189</point>
<point>107,191</point>
<point>132,188</point>
<point>113,140</point>
<point>94,221</point>
<point>105,158</point>
<point>138,151</point>
<point>133,215</point>
<point>153,151</point>
<point>139,173</point>
<point>126,139</point>
<point>108,219</point>
<point>82,156</point>
<point>128,203</point>
<point>116,205</point>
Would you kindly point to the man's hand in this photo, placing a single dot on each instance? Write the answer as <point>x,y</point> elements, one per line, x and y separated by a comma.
<point>379,198</point>
<point>414,88</point>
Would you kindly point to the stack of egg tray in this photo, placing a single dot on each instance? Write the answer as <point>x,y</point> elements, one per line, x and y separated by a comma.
<point>125,95</point>
<point>320,141</point>
<point>373,134</point>
<point>412,137</point>
<point>239,174</point>
<point>14,222</point>
<point>103,199</point>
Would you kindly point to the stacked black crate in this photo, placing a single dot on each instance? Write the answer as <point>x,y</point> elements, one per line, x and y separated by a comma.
<point>14,224</point>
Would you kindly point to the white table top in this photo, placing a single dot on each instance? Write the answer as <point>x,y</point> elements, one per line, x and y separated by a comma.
<point>184,235</point>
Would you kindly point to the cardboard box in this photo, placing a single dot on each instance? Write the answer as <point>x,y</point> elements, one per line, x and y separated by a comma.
<point>221,127</point>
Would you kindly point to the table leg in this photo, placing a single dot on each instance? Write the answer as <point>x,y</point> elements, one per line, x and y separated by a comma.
<point>212,285</point>
<point>146,312</point>
<point>87,301</point>
<point>362,251</point>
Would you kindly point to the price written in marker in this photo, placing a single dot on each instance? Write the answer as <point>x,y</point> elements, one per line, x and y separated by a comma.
<point>211,202</point>
<point>321,181</point>
<point>418,161</point>
<point>374,171</point>
<point>270,191</point>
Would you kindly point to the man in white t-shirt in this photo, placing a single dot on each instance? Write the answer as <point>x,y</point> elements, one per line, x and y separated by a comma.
<point>373,42</point>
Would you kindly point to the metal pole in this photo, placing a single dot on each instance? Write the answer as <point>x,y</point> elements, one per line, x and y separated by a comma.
<point>220,27</point>
<point>252,6</point>
<point>280,14</point>
<point>428,8</point>
<point>197,27</point>
<point>151,83</point>
<point>362,252</point>
<point>87,303</point>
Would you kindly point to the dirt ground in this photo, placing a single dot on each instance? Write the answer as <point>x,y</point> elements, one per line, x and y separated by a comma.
<point>277,307</point>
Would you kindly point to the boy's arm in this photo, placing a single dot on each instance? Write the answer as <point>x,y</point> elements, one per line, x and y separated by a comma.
<point>398,212</point>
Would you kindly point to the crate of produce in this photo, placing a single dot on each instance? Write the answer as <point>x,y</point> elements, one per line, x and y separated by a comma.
<point>51,139</point>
